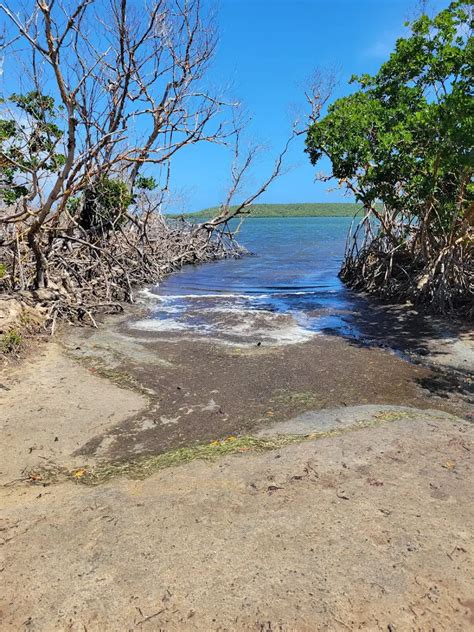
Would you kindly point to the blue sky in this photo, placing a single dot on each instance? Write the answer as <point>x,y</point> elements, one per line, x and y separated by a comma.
<point>266,51</point>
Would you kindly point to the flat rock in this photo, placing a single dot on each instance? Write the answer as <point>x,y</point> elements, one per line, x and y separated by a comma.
<point>337,418</point>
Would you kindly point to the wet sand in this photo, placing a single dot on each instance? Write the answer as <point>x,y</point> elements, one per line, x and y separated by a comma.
<point>200,390</point>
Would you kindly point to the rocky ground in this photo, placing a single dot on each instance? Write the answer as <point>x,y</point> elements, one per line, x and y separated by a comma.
<point>357,515</point>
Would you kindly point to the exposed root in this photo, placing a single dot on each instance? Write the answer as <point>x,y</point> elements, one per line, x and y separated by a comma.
<point>397,264</point>
<point>88,274</point>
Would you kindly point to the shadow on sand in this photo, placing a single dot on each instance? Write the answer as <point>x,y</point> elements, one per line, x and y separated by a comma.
<point>443,345</point>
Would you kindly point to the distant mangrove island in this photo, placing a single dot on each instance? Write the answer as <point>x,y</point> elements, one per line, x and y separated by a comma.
<point>307,209</point>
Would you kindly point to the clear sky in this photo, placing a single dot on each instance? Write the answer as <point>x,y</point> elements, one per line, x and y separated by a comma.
<point>266,51</point>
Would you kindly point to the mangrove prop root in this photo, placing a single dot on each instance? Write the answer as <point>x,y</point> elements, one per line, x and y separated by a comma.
<point>88,274</point>
<point>396,264</point>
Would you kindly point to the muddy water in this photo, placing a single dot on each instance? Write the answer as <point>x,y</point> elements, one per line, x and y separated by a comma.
<point>287,291</point>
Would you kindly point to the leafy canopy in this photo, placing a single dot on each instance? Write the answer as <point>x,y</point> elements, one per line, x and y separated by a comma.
<point>406,136</point>
<point>105,204</point>
<point>30,142</point>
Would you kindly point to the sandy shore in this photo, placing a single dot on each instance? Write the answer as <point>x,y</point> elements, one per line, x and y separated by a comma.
<point>359,518</point>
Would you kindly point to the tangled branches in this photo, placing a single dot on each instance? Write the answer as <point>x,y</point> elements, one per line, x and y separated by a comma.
<point>87,276</point>
<point>395,264</point>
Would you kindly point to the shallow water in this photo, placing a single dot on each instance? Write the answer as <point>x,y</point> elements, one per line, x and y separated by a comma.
<point>287,291</point>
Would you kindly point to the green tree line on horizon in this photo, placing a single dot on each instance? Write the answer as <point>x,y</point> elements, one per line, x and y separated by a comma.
<point>304,209</point>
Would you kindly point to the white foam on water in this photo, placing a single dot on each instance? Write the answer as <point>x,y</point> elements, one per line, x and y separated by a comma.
<point>198,296</point>
<point>252,326</point>
<point>282,335</point>
<point>158,324</point>
<point>235,310</point>
<point>147,293</point>
<point>229,318</point>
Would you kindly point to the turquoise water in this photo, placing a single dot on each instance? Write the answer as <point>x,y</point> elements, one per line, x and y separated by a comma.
<point>286,291</point>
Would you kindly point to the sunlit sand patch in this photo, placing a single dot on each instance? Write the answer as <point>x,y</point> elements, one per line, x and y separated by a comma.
<point>166,421</point>
<point>105,445</point>
<point>147,424</point>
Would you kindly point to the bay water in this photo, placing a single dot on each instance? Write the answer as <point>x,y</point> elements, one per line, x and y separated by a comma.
<point>286,291</point>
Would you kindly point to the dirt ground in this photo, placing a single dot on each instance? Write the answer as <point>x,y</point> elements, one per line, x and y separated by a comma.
<point>371,530</point>
<point>363,523</point>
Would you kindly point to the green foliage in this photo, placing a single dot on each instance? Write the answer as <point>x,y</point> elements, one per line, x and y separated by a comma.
<point>146,184</point>
<point>105,204</point>
<point>406,136</point>
<point>73,205</point>
<point>28,142</point>
<point>10,341</point>
<point>7,129</point>
<point>308,209</point>
<point>3,270</point>
<point>39,106</point>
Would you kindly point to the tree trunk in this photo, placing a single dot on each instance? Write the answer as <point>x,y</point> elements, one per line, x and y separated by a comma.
<point>41,278</point>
